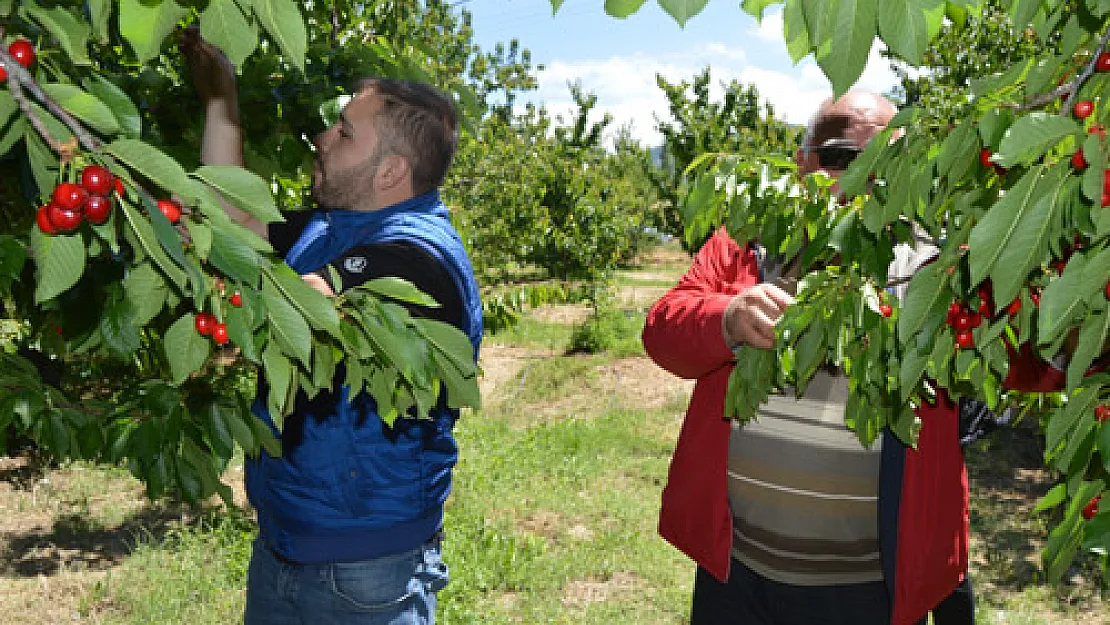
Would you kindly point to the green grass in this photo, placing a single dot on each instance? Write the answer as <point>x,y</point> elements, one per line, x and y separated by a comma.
<point>555,524</point>
<point>535,334</point>
<point>194,574</point>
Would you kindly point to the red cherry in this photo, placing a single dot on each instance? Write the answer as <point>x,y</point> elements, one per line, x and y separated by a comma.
<point>1000,170</point>
<point>963,322</point>
<point>64,219</point>
<point>953,311</point>
<point>1097,129</point>
<point>1015,305</point>
<point>1091,509</point>
<point>985,308</point>
<point>976,319</point>
<point>985,157</point>
<point>885,310</point>
<point>97,209</point>
<point>43,220</point>
<point>205,323</point>
<point>70,196</point>
<point>117,184</point>
<point>3,74</point>
<point>236,299</point>
<point>1102,63</point>
<point>23,52</point>
<point>1105,199</point>
<point>219,334</point>
<point>1077,160</point>
<point>965,340</point>
<point>1108,290</point>
<point>1102,413</point>
<point>97,180</point>
<point>1083,109</point>
<point>170,209</point>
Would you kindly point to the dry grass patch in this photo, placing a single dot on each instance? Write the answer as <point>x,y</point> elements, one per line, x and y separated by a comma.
<point>618,586</point>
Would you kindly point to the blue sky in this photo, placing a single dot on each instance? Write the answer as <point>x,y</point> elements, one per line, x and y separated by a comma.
<point>618,59</point>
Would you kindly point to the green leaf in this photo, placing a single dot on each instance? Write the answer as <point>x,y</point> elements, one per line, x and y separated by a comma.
<point>1022,12</point>
<point>1031,136</point>
<point>913,367</point>
<point>1054,497</point>
<point>224,25</point>
<point>287,325</point>
<point>316,308</point>
<point>59,263</point>
<point>243,189</point>
<point>234,259</point>
<point>147,292</point>
<point>100,13</point>
<point>795,31</point>
<point>958,152</point>
<point>683,10</point>
<point>124,110</point>
<point>853,181</point>
<point>84,106</point>
<point>1065,538</point>
<point>185,349</point>
<point>279,372</point>
<point>1062,303</point>
<point>1063,419</point>
<point>152,163</point>
<point>201,236</point>
<point>241,430</point>
<point>755,8</point>
<point>239,330</point>
<point>902,25</point>
<point>925,293</point>
<point>148,240</point>
<point>400,290</point>
<point>622,8</point>
<point>1013,236</point>
<point>282,20</point>
<point>70,31</point>
<point>145,25</point>
<point>1095,175</point>
<point>852,24</point>
<point>993,125</point>
<point>118,327</point>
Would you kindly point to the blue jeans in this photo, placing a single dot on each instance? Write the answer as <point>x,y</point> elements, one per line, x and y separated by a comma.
<point>397,589</point>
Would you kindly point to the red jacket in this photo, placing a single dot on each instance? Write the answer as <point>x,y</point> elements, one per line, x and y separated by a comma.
<point>683,334</point>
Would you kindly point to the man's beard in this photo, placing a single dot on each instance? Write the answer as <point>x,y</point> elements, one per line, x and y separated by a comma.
<point>348,188</point>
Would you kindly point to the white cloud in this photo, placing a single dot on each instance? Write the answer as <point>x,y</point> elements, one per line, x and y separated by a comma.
<point>626,89</point>
<point>770,29</point>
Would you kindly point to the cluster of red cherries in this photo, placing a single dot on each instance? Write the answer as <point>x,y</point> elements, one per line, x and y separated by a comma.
<point>208,325</point>
<point>90,200</point>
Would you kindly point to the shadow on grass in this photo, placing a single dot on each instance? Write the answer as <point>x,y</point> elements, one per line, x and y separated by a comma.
<point>75,542</point>
<point>1007,478</point>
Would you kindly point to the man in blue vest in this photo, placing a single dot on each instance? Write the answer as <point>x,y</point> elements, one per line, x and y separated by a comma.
<point>350,517</point>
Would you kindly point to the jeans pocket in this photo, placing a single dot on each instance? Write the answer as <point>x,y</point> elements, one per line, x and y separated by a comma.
<point>432,572</point>
<point>379,584</point>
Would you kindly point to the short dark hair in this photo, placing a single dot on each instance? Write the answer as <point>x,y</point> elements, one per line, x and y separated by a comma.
<point>418,122</point>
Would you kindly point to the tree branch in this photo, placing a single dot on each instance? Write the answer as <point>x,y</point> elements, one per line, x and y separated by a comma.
<point>1070,88</point>
<point>18,79</point>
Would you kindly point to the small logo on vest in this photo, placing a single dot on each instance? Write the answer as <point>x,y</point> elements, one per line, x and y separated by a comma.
<point>354,264</point>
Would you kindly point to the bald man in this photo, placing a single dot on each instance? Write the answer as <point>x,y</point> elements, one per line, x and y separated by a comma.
<point>789,519</point>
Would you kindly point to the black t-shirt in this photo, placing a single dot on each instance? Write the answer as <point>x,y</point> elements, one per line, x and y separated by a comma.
<point>397,259</point>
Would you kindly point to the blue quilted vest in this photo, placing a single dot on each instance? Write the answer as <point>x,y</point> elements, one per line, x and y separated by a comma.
<point>351,488</point>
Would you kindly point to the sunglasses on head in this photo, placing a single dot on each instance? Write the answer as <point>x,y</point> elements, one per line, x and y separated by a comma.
<point>836,156</point>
